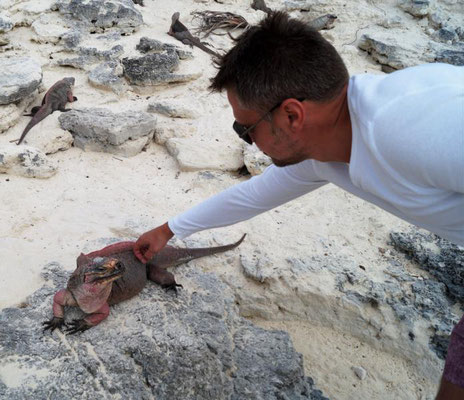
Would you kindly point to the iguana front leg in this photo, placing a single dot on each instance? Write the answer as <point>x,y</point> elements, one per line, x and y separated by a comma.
<point>81,325</point>
<point>62,298</point>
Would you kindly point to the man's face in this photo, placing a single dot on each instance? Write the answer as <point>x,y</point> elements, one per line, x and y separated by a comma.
<point>270,134</point>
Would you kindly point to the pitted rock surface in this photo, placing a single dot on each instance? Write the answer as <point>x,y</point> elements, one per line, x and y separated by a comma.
<point>190,346</point>
<point>99,129</point>
<point>103,14</point>
<point>19,77</point>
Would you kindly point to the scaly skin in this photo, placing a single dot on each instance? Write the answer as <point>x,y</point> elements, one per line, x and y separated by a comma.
<point>181,32</point>
<point>112,275</point>
<point>55,99</point>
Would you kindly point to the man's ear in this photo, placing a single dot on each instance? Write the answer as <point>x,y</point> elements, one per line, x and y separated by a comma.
<point>295,113</point>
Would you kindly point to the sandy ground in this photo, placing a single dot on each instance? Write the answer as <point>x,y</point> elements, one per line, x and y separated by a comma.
<point>97,195</point>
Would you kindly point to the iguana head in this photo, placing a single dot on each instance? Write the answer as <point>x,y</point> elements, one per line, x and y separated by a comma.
<point>103,270</point>
<point>69,80</point>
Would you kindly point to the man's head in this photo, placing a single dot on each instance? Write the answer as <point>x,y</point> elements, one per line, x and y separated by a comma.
<point>278,59</point>
<point>275,67</point>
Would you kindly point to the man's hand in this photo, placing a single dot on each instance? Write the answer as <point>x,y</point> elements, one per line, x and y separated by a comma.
<point>151,242</point>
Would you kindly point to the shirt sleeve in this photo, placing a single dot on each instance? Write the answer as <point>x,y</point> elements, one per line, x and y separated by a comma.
<point>274,187</point>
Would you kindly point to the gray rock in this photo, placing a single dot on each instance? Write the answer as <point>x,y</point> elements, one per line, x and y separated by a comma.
<point>360,372</point>
<point>301,5</point>
<point>19,78</point>
<point>194,155</point>
<point>441,258</point>
<point>123,133</point>
<point>103,14</point>
<point>454,57</point>
<point>25,161</point>
<point>108,76</point>
<point>147,45</point>
<point>11,113</point>
<point>258,267</point>
<point>191,346</point>
<point>155,69</point>
<point>5,23</point>
<point>176,107</point>
<point>90,55</point>
<point>71,39</point>
<point>446,34</point>
<point>389,50</point>
<point>49,28</point>
<point>255,160</point>
<point>417,8</point>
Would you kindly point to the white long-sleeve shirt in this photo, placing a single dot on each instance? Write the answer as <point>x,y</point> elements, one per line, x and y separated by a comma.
<point>407,157</point>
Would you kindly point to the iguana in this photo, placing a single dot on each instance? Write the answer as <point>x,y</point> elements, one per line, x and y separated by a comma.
<point>181,32</point>
<point>114,274</point>
<point>55,99</point>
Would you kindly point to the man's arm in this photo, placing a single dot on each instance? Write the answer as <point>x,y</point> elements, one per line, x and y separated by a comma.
<point>240,202</point>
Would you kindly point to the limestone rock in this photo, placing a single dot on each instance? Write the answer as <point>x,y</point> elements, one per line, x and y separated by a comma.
<point>176,107</point>
<point>103,14</point>
<point>167,128</point>
<point>454,57</point>
<point>191,346</point>
<point>360,372</point>
<point>255,160</point>
<point>19,78</point>
<point>258,267</point>
<point>147,45</point>
<point>124,133</point>
<point>301,5</point>
<point>90,55</point>
<point>49,28</point>
<point>107,76</point>
<point>5,23</point>
<point>11,113</point>
<point>155,69</point>
<point>195,155</point>
<point>25,161</point>
<point>388,49</point>
<point>48,137</point>
<point>417,8</point>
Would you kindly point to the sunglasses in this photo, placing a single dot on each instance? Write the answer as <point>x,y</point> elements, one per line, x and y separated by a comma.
<point>243,131</point>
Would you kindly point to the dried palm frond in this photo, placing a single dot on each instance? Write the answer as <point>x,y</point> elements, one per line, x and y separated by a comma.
<point>213,20</point>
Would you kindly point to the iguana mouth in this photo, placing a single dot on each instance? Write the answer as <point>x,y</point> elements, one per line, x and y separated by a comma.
<point>107,271</point>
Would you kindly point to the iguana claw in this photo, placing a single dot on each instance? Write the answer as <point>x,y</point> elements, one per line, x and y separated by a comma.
<point>55,322</point>
<point>78,325</point>
<point>172,286</point>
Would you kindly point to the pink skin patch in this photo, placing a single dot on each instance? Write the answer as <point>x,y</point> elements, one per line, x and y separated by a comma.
<point>62,298</point>
<point>98,316</point>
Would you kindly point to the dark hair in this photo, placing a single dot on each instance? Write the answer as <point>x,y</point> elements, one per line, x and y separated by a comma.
<point>278,59</point>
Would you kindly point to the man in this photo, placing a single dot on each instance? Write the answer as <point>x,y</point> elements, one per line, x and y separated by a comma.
<point>395,140</point>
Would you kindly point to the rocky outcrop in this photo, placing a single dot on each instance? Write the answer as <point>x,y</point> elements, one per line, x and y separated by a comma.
<point>99,129</point>
<point>87,56</point>
<point>147,45</point>
<point>193,155</point>
<point>5,23</point>
<point>157,345</point>
<point>176,107</point>
<point>108,76</point>
<point>19,78</point>
<point>25,161</point>
<point>103,14</point>
<point>155,69</point>
<point>255,160</point>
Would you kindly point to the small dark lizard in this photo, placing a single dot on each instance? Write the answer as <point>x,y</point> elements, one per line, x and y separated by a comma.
<point>55,99</point>
<point>179,31</point>
<point>114,274</point>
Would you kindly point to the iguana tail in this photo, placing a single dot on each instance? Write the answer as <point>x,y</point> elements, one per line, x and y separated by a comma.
<point>43,112</point>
